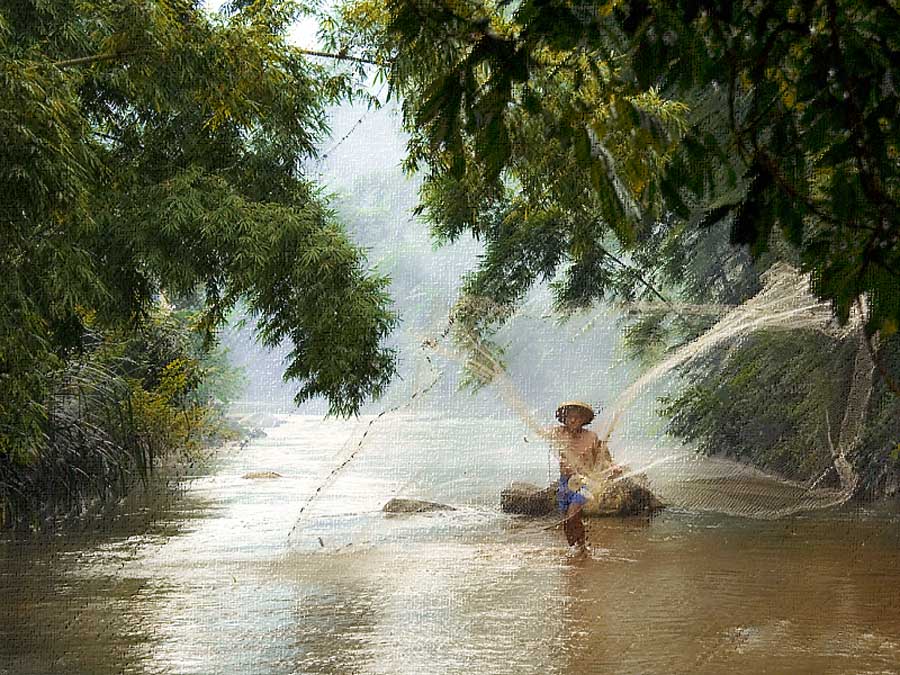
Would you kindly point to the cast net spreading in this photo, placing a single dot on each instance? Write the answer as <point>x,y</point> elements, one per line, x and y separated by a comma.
<point>508,402</point>
<point>679,475</point>
<point>467,416</point>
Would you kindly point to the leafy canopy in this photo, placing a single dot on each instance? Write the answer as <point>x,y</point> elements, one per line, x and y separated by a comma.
<point>655,150</point>
<point>576,137</point>
<point>151,148</point>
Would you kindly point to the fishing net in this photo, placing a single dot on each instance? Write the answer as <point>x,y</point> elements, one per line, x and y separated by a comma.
<point>679,475</point>
<point>469,415</point>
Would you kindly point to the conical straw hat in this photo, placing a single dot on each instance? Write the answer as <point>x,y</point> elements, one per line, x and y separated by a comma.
<point>575,404</point>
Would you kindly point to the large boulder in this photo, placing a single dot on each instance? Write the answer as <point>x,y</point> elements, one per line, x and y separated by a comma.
<point>398,505</point>
<point>528,499</point>
<point>624,497</point>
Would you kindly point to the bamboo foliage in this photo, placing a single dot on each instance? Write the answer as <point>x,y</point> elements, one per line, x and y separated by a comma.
<point>126,404</point>
<point>776,120</point>
<point>154,148</point>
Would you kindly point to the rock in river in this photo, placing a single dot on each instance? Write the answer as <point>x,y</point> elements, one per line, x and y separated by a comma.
<point>624,497</point>
<point>528,499</point>
<point>255,475</point>
<point>397,505</point>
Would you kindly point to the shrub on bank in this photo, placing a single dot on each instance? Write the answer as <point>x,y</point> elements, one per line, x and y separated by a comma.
<point>123,404</point>
<point>777,403</point>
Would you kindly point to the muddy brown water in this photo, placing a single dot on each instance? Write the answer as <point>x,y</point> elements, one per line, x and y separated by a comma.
<point>210,582</point>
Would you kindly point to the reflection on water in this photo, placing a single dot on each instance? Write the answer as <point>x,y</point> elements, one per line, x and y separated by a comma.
<point>214,585</point>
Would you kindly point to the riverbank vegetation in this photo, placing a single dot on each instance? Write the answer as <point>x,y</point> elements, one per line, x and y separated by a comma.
<point>130,402</point>
<point>154,150</point>
<point>652,154</point>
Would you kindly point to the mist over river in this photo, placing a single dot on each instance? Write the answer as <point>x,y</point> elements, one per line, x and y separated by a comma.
<point>215,581</point>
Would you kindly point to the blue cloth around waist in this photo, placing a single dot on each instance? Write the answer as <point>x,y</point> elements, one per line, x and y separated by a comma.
<point>565,497</point>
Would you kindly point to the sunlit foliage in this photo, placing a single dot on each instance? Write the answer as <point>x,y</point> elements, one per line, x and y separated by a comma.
<point>565,133</point>
<point>151,147</point>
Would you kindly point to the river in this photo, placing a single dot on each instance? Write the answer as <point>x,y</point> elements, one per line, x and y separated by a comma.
<point>224,578</point>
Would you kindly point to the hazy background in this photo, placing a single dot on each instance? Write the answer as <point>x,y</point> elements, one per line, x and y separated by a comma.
<point>549,359</point>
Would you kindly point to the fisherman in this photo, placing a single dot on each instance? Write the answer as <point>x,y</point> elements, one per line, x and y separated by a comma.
<point>581,453</point>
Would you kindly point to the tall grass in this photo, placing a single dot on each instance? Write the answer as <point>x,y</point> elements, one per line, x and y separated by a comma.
<point>116,411</point>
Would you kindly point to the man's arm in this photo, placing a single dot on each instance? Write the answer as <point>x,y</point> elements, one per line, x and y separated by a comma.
<point>558,447</point>
<point>603,459</point>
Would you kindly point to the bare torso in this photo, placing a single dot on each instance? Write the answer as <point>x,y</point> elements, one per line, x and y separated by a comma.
<point>580,451</point>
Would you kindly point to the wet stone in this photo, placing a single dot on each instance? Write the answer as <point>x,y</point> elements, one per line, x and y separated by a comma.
<point>528,499</point>
<point>255,475</point>
<point>624,497</point>
<point>398,505</point>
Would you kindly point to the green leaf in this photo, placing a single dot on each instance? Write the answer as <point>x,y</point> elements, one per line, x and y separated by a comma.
<point>610,205</point>
<point>583,147</point>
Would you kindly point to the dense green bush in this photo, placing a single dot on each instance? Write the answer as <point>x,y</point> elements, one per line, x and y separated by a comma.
<point>766,401</point>
<point>778,402</point>
<point>879,458</point>
<point>124,403</point>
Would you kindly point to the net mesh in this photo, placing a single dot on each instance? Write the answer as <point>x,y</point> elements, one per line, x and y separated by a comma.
<point>682,477</point>
<point>678,475</point>
<point>496,398</point>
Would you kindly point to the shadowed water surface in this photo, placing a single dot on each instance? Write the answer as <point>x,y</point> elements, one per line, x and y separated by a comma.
<point>212,582</point>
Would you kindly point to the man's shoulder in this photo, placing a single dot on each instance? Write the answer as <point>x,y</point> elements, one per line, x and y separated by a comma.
<point>592,435</point>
